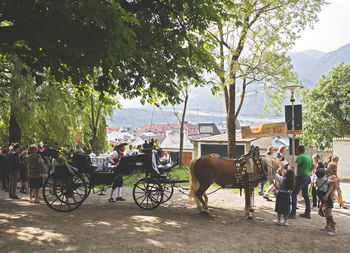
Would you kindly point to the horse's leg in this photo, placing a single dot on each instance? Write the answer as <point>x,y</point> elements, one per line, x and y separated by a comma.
<point>247,204</point>
<point>251,209</point>
<point>205,199</point>
<point>200,193</point>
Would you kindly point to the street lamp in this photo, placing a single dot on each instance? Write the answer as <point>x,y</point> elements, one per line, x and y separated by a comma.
<point>292,88</point>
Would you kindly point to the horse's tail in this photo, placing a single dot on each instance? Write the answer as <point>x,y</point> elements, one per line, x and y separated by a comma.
<point>194,183</point>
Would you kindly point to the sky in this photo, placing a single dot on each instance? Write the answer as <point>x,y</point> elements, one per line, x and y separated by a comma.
<point>330,32</point>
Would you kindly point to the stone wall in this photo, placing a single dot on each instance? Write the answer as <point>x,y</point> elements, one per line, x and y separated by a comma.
<point>341,148</point>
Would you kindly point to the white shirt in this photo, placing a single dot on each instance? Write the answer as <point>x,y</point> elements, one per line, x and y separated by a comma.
<point>130,152</point>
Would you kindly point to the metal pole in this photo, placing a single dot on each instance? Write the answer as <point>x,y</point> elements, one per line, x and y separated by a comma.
<point>293,136</point>
<point>149,136</point>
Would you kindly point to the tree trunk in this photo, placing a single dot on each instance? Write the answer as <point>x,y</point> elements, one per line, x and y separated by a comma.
<point>14,129</point>
<point>231,120</point>
<point>182,129</point>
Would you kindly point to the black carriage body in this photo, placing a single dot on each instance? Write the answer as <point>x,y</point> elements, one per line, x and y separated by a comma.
<point>127,165</point>
<point>68,185</point>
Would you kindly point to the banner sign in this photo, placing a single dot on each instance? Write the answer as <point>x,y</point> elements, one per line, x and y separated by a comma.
<point>272,129</point>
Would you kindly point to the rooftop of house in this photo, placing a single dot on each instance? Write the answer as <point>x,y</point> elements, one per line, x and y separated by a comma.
<point>113,129</point>
<point>223,138</point>
<point>157,128</point>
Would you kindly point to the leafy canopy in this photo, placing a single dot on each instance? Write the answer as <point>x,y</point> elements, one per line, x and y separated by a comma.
<point>140,46</point>
<point>327,109</point>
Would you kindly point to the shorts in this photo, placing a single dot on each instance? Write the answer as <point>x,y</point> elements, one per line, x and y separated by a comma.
<point>329,203</point>
<point>320,195</point>
<point>36,183</point>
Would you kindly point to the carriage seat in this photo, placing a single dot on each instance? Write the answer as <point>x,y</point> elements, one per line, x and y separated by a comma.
<point>166,168</point>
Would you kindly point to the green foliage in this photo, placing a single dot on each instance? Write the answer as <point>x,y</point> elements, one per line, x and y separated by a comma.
<point>141,47</point>
<point>44,113</point>
<point>327,109</point>
<point>50,112</point>
<point>252,40</point>
<point>69,38</point>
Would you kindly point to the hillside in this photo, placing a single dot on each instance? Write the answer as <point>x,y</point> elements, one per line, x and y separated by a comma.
<point>309,65</point>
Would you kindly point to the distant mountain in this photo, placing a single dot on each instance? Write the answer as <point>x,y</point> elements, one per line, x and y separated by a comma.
<point>309,65</point>
<point>312,64</point>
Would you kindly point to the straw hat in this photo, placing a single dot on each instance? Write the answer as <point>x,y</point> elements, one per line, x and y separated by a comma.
<point>119,144</point>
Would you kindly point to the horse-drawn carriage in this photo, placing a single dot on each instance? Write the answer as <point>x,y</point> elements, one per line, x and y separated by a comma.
<point>69,183</point>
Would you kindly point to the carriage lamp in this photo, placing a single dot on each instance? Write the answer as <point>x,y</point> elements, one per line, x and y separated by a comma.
<point>292,88</point>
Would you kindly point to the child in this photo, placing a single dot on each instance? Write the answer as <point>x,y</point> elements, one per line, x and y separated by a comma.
<point>329,199</point>
<point>283,196</point>
<point>322,186</point>
<point>318,165</point>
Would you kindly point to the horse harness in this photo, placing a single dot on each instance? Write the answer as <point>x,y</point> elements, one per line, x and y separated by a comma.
<point>245,178</point>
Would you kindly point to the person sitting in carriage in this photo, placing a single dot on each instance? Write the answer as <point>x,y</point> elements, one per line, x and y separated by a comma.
<point>118,152</point>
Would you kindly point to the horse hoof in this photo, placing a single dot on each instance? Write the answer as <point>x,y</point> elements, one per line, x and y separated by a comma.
<point>251,210</point>
<point>204,213</point>
<point>250,217</point>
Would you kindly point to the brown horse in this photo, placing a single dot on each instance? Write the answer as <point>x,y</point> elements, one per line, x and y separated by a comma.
<point>246,172</point>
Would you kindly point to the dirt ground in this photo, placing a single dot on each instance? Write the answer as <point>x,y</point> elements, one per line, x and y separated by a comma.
<point>176,226</point>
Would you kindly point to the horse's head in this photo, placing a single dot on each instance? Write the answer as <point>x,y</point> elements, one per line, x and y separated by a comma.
<point>272,165</point>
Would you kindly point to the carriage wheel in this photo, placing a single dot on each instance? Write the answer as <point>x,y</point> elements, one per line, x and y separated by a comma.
<point>65,195</point>
<point>168,190</point>
<point>148,193</point>
<point>86,178</point>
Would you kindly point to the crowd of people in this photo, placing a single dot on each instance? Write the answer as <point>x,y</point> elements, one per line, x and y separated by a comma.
<point>28,165</point>
<point>305,172</point>
<point>24,164</point>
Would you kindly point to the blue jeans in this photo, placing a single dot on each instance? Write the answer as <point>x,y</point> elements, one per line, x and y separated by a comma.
<point>261,188</point>
<point>301,183</point>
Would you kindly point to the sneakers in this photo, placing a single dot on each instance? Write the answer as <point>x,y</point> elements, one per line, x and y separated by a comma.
<point>111,200</point>
<point>282,224</point>
<point>285,223</point>
<point>330,231</point>
<point>292,216</point>
<point>120,199</point>
<point>305,215</point>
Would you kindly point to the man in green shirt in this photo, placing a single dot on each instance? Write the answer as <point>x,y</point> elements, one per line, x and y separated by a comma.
<point>302,181</point>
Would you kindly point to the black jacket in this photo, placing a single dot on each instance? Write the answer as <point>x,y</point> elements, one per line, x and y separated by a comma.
<point>13,161</point>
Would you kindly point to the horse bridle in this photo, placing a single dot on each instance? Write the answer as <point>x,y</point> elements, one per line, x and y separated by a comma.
<point>258,165</point>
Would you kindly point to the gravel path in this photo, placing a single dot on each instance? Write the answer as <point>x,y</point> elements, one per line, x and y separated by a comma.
<point>175,226</point>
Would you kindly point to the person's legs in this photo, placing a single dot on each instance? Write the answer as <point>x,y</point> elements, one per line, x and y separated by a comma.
<point>13,184</point>
<point>278,216</point>
<point>119,189</point>
<point>340,197</point>
<point>274,191</point>
<point>36,193</point>
<point>31,195</point>
<point>299,183</point>
<point>261,187</point>
<point>269,190</point>
<point>4,177</point>
<point>314,196</point>
<point>305,192</point>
